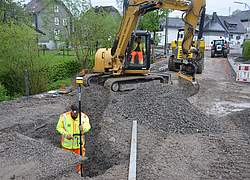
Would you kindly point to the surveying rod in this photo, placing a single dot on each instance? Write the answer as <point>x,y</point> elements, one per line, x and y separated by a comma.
<point>79,82</point>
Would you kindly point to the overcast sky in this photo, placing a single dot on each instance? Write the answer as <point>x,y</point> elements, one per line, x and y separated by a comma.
<point>222,7</point>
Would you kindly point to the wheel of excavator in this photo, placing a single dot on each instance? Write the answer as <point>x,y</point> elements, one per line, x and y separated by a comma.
<point>115,87</point>
<point>89,79</point>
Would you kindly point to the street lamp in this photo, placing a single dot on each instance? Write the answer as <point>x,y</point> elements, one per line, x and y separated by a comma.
<point>246,5</point>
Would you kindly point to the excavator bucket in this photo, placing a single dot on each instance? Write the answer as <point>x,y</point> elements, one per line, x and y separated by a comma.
<point>188,83</point>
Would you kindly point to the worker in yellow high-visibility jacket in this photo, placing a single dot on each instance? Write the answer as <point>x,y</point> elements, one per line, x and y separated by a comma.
<point>68,127</point>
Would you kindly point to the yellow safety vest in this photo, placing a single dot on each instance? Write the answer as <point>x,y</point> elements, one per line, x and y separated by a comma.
<point>141,46</point>
<point>68,126</point>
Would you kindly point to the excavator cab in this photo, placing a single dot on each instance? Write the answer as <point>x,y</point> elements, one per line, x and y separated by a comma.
<point>137,56</point>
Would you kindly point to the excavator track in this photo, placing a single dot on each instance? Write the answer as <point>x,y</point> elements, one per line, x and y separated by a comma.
<point>126,83</point>
<point>131,82</point>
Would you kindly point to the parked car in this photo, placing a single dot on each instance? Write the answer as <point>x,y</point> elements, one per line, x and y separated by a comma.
<point>219,47</point>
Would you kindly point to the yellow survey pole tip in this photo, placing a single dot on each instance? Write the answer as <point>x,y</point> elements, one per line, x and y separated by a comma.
<point>79,80</point>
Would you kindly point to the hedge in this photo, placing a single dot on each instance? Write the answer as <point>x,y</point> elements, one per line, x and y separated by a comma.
<point>3,93</point>
<point>63,70</point>
<point>246,50</point>
<point>40,78</point>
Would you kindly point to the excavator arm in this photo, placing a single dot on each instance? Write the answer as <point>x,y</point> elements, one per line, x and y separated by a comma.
<point>136,8</point>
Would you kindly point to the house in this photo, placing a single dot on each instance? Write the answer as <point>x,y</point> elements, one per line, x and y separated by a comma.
<point>215,27</point>
<point>244,17</point>
<point>174,23</point>
<point>107,9</point>
<point>227,27</point>
<point>53,18</point>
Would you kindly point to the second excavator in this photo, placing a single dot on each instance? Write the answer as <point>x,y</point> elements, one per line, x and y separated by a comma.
<point>128,61</point>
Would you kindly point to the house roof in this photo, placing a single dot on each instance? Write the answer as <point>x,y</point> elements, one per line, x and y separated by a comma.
<point>36,6</point>
<point>213,23</point>
<point>233,24</point>
<point>243,15</point>
<point>227,24</point>
<point>108,9</point>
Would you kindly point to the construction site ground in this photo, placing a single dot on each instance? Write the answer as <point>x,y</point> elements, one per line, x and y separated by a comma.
<point>180,135</point>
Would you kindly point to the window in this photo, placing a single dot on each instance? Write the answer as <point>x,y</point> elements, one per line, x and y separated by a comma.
<point>248,29</point>
<point>57,33</point>
<point>57,22</point>
<point>56,9</point>
<point>238,37</point>
<point>219,42</point>
<point>65,22</point>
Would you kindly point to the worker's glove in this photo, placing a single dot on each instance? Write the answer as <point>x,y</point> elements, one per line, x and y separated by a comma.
<point>69,137</point>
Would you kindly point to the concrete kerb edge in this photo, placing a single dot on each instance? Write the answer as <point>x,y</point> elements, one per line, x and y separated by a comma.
<point>232,64</point>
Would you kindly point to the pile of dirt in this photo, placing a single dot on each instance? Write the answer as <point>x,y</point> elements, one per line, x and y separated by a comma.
<point>26,158</point>
<point>29,143</point>
<point>161,107</point>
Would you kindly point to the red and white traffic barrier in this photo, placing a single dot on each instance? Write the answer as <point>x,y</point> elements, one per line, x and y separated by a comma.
<point>243,73</point>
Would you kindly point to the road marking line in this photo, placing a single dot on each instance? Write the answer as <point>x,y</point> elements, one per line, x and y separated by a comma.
<point>133,151</point>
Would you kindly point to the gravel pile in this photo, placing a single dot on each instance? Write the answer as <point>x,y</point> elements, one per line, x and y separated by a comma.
<point>26,158</point>
<point>162,108</point>
<point>159,66</point>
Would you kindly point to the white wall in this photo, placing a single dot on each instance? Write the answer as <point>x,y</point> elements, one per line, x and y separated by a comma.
<point>49,45</point>
<point>208,36</point>
<point>172,35</point>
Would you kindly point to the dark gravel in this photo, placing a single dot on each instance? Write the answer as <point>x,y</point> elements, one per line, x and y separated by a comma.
<point>26,158</point>
<point>162,108</point>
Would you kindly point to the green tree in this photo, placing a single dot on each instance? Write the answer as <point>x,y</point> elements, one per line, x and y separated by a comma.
<point>152,21</point>
<point>91,31</point>
<point>246,50</point>
<point>18,50</point>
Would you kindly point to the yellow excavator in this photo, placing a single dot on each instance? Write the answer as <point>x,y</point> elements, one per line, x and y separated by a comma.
<point>113,67</point>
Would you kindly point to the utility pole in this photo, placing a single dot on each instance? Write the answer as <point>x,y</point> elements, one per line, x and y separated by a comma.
<point>166,35</point>
<point>79,82</point>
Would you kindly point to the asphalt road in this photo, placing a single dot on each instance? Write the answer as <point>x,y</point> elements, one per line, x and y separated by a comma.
<point>219,94</point>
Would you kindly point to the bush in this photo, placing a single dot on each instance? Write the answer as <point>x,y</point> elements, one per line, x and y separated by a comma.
<point>246,50</point>
<point>18,52</point>
<point>63,70</point>
<point>3,93</point>
<point>58,84</point>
